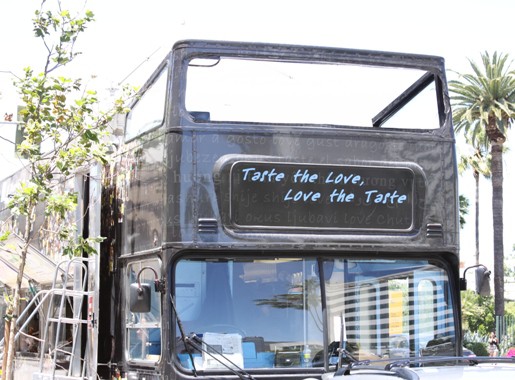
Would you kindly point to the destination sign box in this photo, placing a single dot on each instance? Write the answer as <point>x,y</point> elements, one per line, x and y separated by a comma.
<point>311,196</point>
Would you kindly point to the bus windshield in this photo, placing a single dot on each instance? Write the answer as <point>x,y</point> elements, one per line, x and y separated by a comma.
<point>295,312</point>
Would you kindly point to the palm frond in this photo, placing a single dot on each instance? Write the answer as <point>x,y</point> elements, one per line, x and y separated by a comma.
<point>485,94</point>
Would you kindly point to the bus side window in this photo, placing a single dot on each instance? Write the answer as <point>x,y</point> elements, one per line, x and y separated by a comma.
<point>144,329</point>
<point>148,112</point>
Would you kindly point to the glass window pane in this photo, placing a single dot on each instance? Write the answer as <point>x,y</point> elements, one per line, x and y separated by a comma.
<point>273,305</point>
<point>272,309</point>
<point>144,329</point>
<point>389,309</point>
<point>245,90</point>
<point>148,112</point>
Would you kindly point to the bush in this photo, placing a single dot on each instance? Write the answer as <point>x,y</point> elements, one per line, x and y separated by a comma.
<point>476,342</point>
<point>477,348</point>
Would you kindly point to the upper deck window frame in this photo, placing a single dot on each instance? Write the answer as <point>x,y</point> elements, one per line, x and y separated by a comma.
<point>431,70</point>
<point>148,110</point>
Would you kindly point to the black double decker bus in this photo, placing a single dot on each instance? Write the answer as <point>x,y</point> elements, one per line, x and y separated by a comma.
<point>278,211</point>
<point>298,204</point>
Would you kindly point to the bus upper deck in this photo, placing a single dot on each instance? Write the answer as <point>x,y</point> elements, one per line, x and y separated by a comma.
<point>275,142</point>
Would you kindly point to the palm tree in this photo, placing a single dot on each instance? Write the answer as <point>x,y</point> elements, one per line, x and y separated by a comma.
<point>464,209</point>
<point>479,162</point>
<point>484,101</point>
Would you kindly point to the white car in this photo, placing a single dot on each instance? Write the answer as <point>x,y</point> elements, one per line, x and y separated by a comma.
<point>441,368</point>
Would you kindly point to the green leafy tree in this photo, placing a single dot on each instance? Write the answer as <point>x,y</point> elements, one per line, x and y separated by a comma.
<point>477,313</point>
<point>464,209</point>
<point>510,309</point>
<point>509,269</point>
<point>64,131</point>
<point>484,102</point>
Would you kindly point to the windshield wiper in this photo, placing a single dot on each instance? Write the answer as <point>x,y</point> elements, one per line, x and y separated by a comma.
<point>195,342</point>
<point>398,370</point>
<point>344,370</point>
<point>400,367</point>
<point>183,337</point>
<point>342,350</point>
<point>471,360</point>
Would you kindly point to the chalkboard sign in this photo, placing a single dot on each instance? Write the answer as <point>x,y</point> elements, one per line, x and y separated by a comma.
<point>308,196</point>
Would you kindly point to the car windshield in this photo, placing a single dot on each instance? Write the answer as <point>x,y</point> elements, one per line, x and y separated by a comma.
<point>282,311</point>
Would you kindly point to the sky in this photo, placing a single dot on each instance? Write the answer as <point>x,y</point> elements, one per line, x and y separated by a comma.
<point>130,37</point>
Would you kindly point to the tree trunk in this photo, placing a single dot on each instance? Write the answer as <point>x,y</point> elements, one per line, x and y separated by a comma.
<point>497,213</point>
<point>6,347</point>
<point>9,368</point>
<point>476,177</point>
<point>11,346</point>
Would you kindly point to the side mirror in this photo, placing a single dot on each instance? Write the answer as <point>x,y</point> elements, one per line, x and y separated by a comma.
<point>140,294</point>
<point>139,301</point>
<point>483,281</point>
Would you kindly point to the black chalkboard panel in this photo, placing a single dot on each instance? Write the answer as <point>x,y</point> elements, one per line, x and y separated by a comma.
<point>308,196</point>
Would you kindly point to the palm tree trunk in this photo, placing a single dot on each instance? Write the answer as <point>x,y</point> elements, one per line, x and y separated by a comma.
<point>476,177</point>
<point>497,214</point>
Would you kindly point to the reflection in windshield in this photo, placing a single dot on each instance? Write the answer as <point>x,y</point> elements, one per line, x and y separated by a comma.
<point>379,310</point>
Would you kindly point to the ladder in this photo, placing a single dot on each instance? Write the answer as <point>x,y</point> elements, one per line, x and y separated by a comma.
<point>60,359</point>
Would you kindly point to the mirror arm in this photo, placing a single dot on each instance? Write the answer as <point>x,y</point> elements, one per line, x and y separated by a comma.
<point>463,280</point>
<point>159,284</point>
